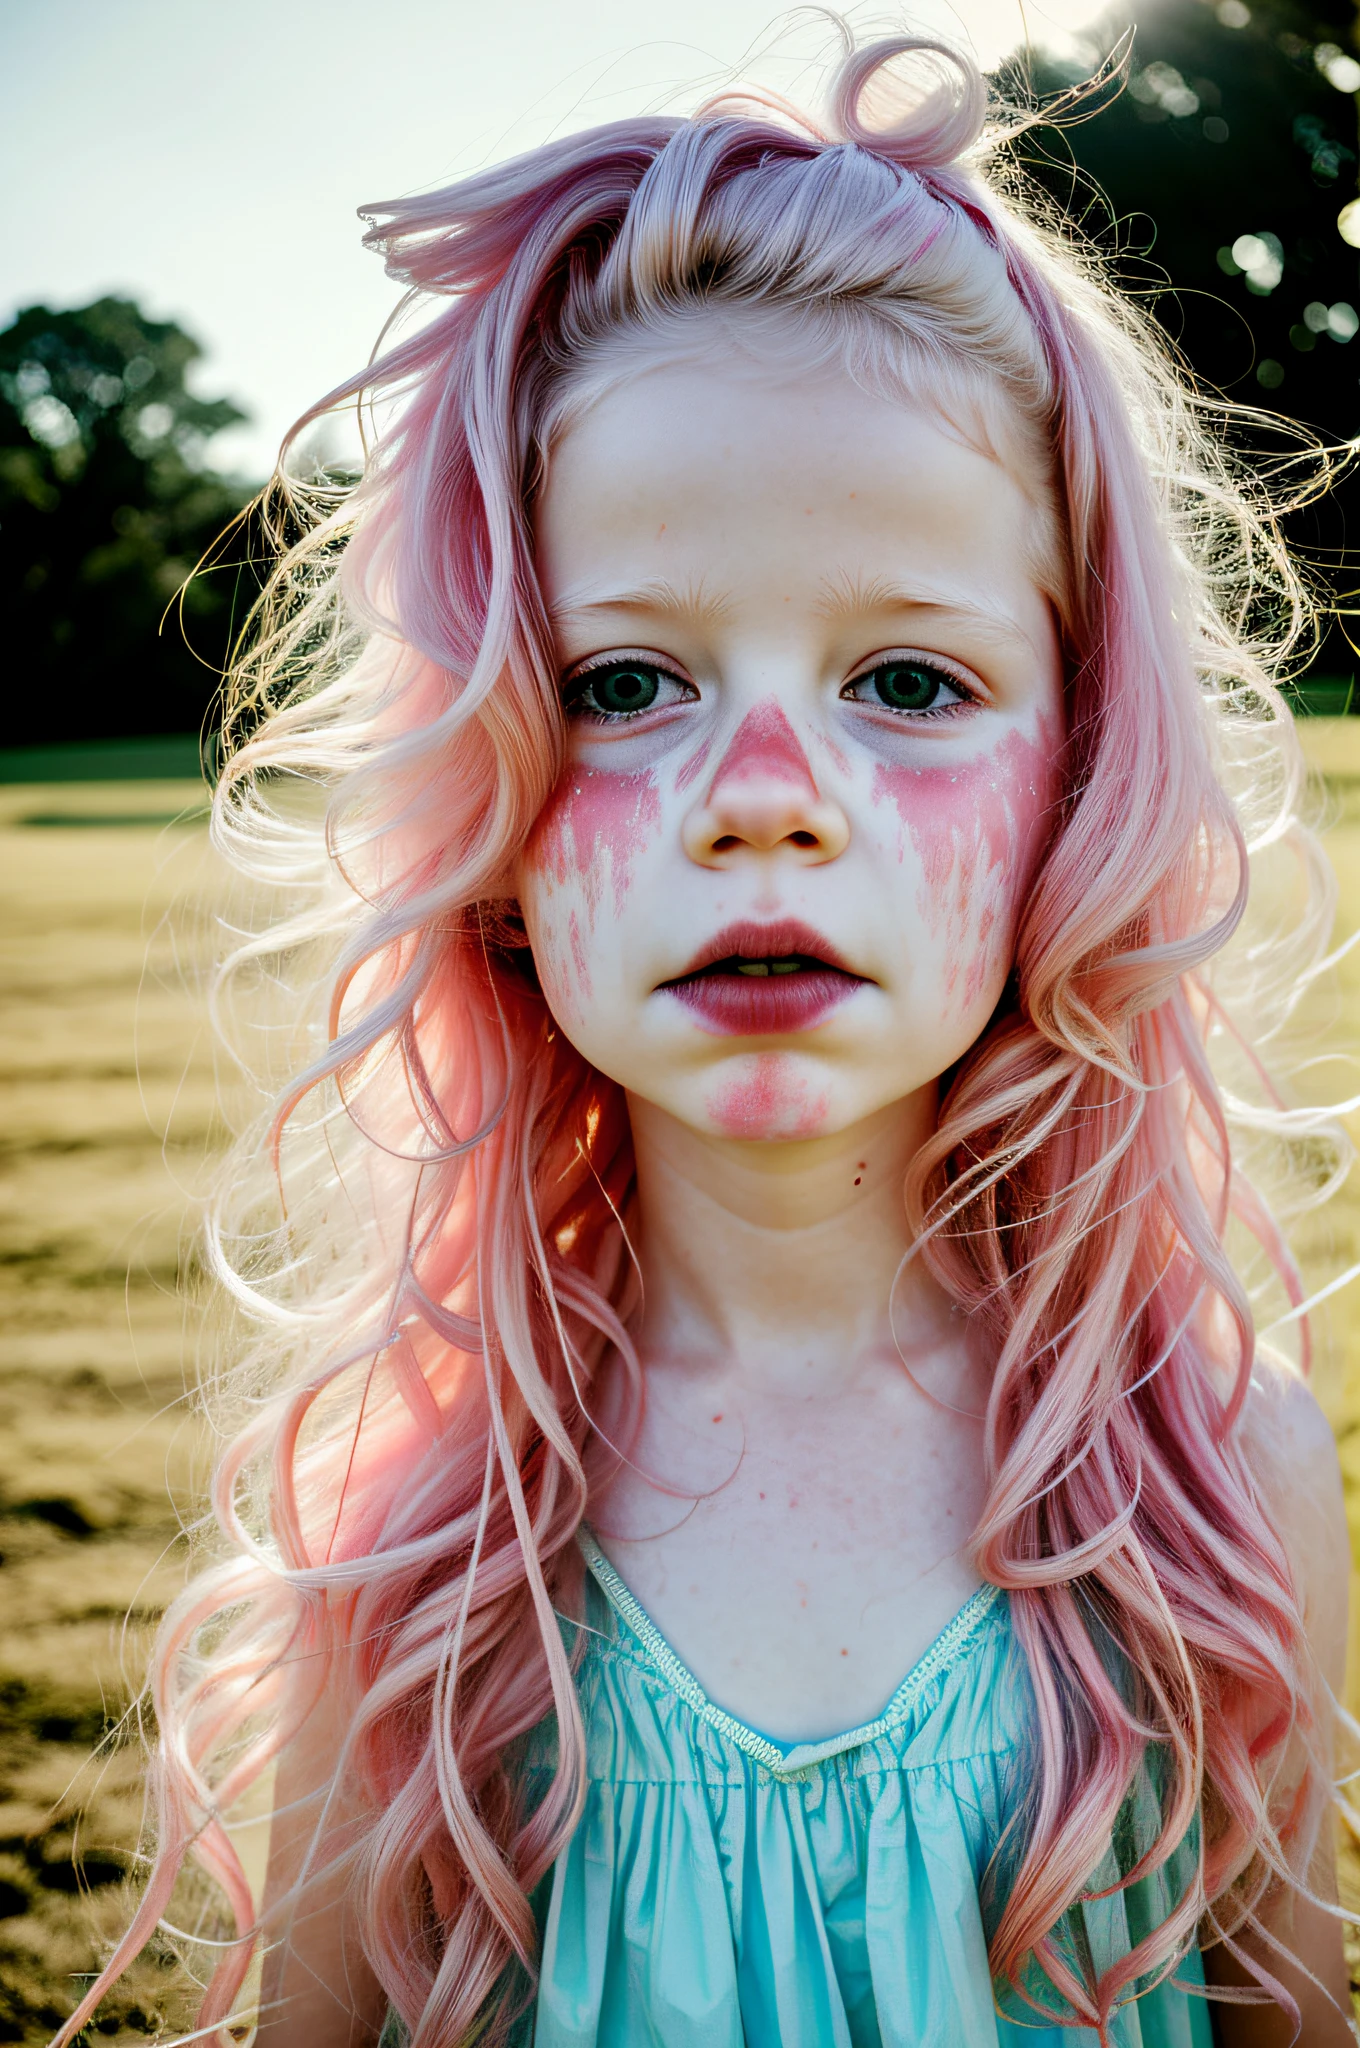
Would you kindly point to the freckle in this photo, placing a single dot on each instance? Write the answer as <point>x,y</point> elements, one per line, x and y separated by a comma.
<point>661,529</point>
<point>717,1418</point>
<point>858,1179</point>
<point>793,1500</point>
<point>762,1496</point>
<point>845,1653</point>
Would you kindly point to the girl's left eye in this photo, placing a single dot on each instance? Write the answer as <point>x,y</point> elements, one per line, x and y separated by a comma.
<point>906,683</point>
<point>624,689</point>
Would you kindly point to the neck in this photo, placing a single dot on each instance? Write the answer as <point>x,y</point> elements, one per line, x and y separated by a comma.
<point>780,1259</point>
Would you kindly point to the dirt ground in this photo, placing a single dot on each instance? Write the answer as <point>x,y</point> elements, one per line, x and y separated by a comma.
<point>106,1115</point>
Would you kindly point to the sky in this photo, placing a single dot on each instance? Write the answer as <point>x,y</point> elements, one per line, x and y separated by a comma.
<point>207,157</point>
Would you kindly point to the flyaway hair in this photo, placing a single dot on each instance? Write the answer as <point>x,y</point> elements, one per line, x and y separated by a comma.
<point>426,1232</point>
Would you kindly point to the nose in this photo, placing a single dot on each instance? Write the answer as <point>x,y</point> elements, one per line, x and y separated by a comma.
<point>764,796</point>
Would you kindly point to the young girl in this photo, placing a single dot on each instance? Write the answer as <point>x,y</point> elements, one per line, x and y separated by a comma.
<point>758,1516</point>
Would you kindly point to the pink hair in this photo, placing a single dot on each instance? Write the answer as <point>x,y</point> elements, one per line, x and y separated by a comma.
<point>414,1450</point>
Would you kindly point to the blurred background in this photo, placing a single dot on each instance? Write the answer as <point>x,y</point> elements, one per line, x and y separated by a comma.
<point>180,275</point>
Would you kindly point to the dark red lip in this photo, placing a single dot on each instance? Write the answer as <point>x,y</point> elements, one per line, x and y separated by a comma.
<point>743,1005</point>
<point>749,941</point>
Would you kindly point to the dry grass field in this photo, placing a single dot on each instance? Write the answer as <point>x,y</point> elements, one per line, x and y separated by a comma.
<point>102,1053</point>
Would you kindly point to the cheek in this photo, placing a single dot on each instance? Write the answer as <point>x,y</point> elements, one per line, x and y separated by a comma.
<point>561,953</point>
<point>975,831</point>
<point>694,767</point>
<point>768,1099</point>
<point>580,854</point>
<point>579,962</point>
<point>591,831</point>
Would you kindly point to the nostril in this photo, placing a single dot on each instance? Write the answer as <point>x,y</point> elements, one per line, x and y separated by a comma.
<point>726,843</point>
<point>803,838</point>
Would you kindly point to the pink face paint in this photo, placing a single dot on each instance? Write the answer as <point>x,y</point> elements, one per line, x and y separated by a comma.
<point>592,814</point>
<point>764,748</point>
<point>976,831</point>
<point>768,1101</point>
<point>694,767</point>
<point>838,754</point>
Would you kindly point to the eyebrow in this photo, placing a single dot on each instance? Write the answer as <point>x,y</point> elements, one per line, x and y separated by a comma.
<point>848,596</point>
<point>690,601</point>
<point>841,596</point>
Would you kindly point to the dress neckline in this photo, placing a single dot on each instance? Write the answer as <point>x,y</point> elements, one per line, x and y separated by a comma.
<point>949,1644</point>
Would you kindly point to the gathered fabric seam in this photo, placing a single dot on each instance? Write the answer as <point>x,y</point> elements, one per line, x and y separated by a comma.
<point>705,1781</point>
<point>957,1636</point>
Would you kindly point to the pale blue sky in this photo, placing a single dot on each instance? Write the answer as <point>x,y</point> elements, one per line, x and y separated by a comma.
<point>207,156</point>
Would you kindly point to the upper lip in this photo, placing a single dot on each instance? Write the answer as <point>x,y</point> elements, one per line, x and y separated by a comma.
<point>747,941</point>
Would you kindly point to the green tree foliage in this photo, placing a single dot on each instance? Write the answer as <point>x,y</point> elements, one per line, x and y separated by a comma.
<point>106,506</point>
<point>1218,175</point>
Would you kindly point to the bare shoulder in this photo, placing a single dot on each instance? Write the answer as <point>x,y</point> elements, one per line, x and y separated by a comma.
<point>1287,1438</point>
<point>1292,1451</point>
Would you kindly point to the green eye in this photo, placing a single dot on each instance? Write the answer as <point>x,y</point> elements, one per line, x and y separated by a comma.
<point>907,685</point>
<point>620,689</point>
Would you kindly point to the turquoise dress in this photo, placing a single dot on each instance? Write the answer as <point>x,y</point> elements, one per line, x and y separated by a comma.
<point>723,1890</point>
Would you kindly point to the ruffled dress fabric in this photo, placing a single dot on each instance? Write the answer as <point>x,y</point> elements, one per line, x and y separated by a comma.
<point>722,1890</point>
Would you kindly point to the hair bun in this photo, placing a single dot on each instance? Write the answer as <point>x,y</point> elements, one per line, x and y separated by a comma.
<point>926,119</point>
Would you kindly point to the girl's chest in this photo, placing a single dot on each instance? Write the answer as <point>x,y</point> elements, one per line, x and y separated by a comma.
<point>800,1561</point>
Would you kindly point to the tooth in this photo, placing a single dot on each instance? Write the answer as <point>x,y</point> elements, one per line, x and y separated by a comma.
<point>785,966</point>
<point>753,967</point>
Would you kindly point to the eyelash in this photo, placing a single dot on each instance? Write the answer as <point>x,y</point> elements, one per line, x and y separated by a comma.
<point>585,678</point>
<point>930,665</point>
<point>576,686</point>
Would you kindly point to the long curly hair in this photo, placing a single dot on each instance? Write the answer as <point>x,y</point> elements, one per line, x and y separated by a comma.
<point>425,1231</point>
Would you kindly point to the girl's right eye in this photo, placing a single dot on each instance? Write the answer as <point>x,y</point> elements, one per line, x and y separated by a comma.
<point>624,688</point>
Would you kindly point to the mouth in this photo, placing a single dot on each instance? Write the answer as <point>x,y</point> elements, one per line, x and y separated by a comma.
<point>764,980</point>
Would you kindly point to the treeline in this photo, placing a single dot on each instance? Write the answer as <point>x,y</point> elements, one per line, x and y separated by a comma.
<point>1219,176</point>
<point>1216,179</point>
<point>106,506</point>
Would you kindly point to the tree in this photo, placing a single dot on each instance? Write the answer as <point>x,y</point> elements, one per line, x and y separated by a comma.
<point>1225,165</point>
<point>106,506</point>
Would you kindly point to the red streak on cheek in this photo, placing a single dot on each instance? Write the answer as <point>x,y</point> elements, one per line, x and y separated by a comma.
<point>590,814</point>
<point>768,1102</point>
<point>694,767</point>
<point>837,753</point>
<point>578,956</point>
<point>764,747</point>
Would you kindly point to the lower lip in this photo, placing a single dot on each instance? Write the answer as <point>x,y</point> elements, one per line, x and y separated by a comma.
<point>764,1005</point>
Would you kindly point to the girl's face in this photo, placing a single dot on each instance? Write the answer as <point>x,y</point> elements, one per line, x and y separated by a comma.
<point>814,709</point>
